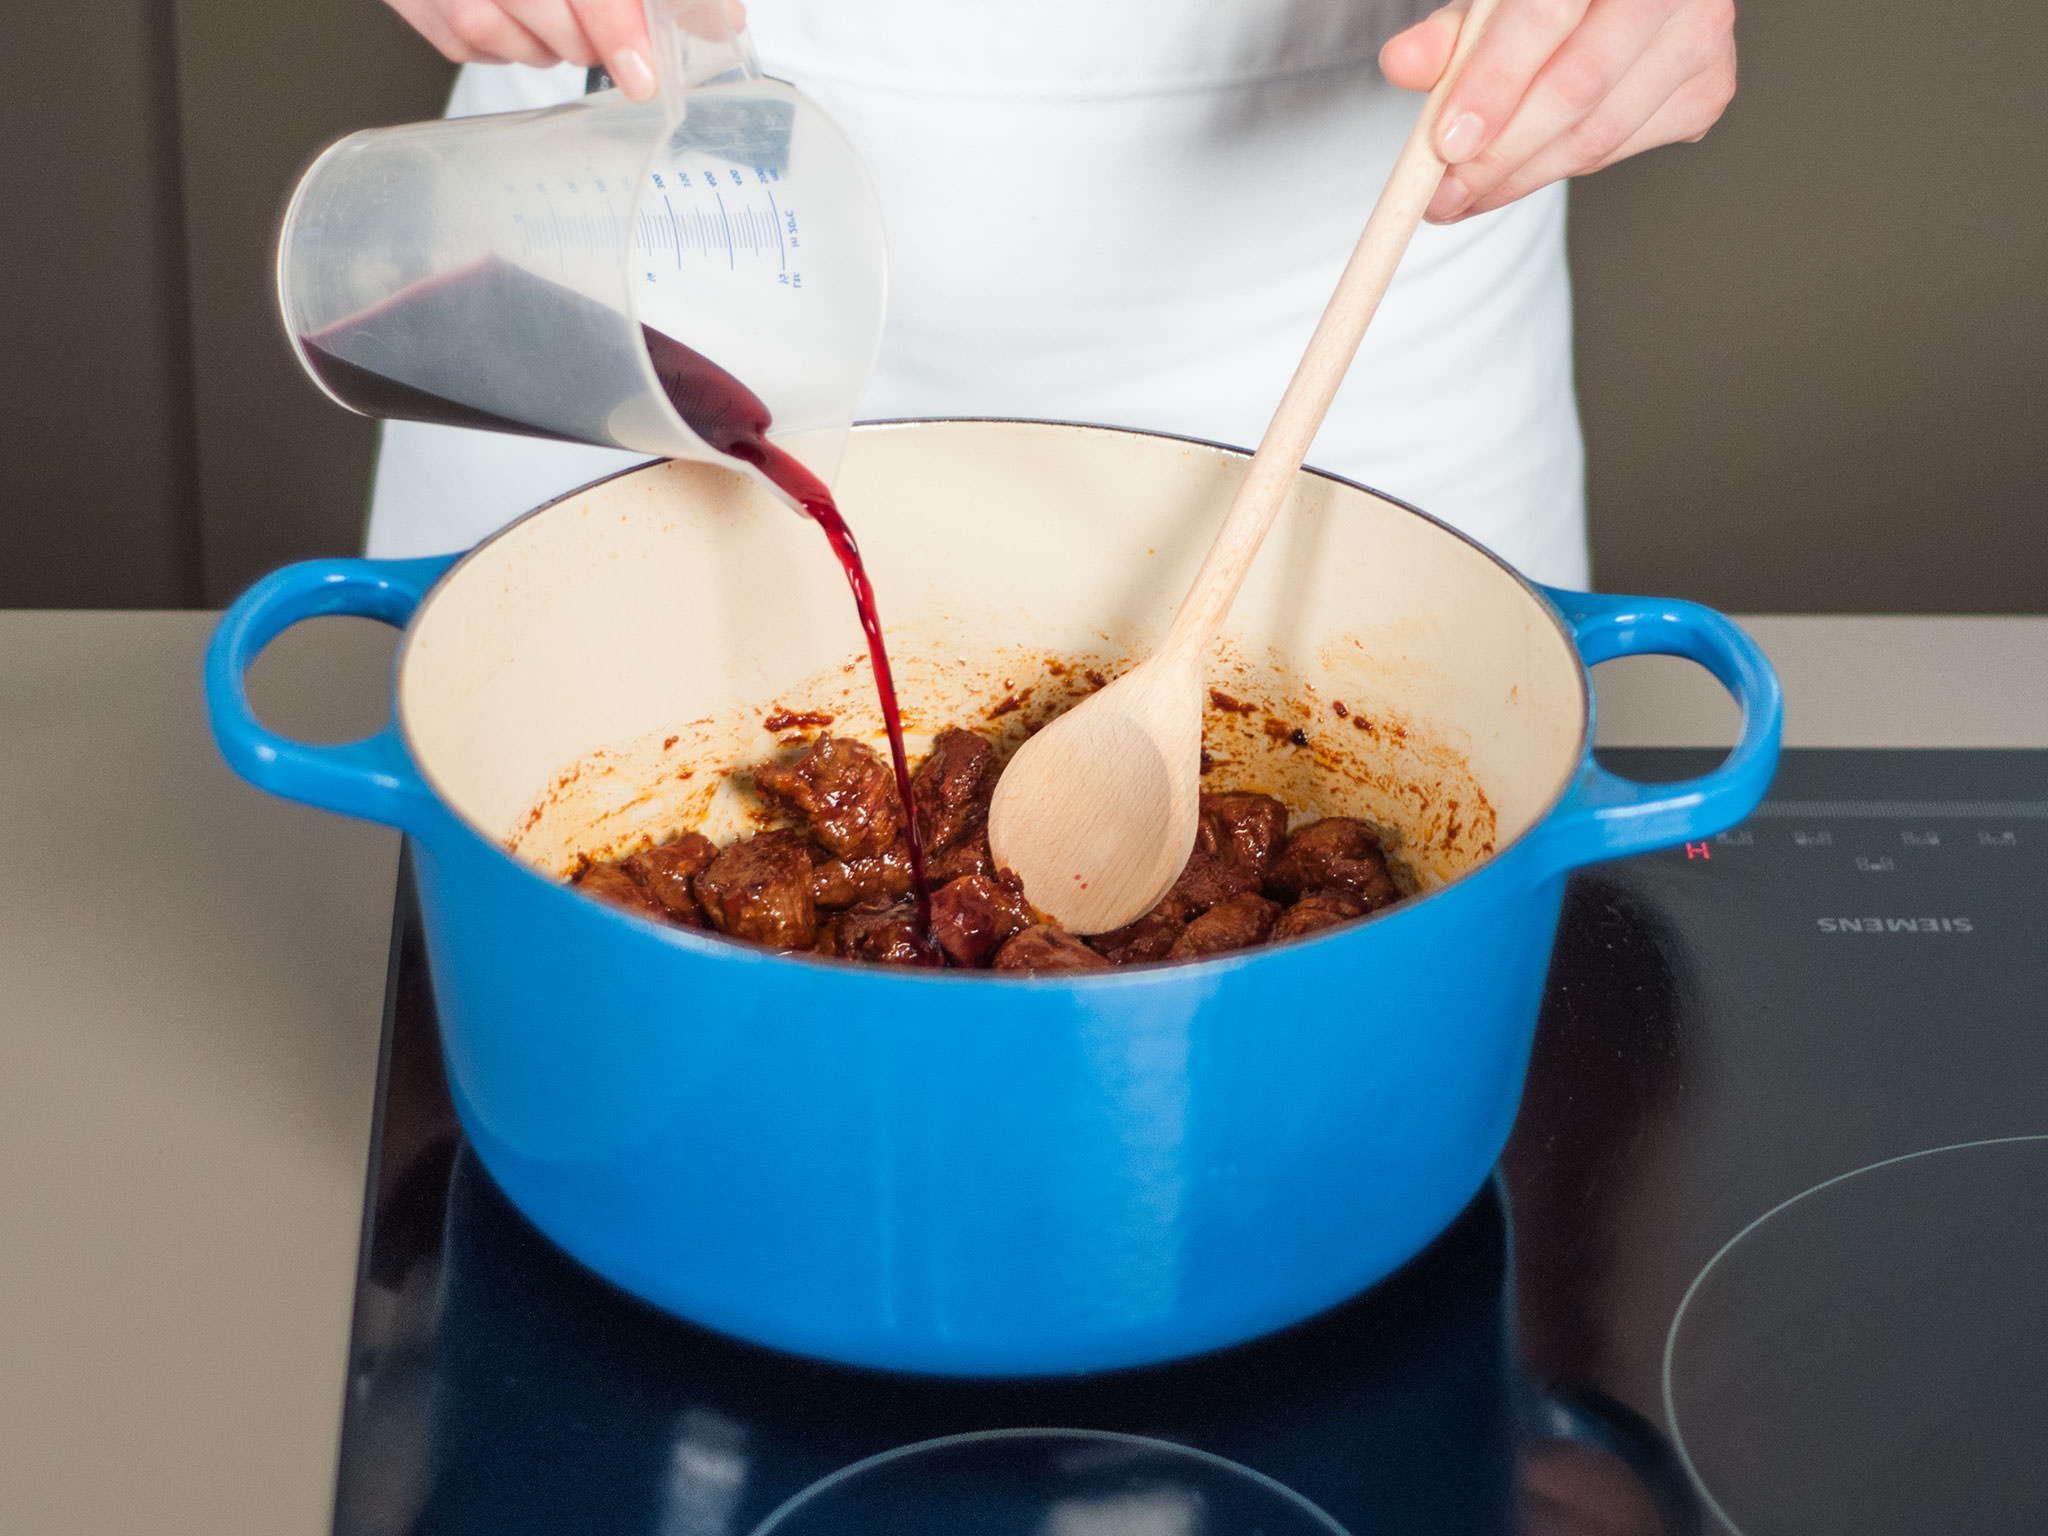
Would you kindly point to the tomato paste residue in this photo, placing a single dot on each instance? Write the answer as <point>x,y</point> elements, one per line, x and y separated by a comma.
<point>787,719</point>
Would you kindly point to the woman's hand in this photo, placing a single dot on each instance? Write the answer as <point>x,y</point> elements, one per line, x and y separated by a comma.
<point>542,32</point>
<point>1557,88</point>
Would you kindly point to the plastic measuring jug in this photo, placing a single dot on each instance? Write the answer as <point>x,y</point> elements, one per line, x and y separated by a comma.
<point>603,270</point>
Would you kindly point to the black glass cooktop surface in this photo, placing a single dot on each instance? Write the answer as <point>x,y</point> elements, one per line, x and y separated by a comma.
<point>1768,1253</point>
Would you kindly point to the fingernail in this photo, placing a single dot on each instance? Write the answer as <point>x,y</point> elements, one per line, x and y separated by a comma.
<point>1458,140</point>
<point>1451,197</point>
<point>631,74</point>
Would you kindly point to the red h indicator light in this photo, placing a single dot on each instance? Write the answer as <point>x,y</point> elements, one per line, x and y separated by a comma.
<point>1698,851</point>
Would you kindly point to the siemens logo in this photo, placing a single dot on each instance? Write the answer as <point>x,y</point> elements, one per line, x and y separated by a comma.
<point>1894,924</point>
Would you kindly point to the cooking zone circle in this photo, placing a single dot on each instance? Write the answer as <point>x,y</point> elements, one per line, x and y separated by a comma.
<point>1049,1482</point>
<point>1871,1356</point>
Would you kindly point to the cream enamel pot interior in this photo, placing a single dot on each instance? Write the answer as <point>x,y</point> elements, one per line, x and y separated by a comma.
<point>960,1172</point>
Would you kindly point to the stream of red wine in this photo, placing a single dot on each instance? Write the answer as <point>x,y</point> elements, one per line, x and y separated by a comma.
<point>558,331</point>
<point>733,419</point>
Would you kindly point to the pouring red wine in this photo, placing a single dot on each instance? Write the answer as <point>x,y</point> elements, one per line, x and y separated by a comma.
<point>393,360</point>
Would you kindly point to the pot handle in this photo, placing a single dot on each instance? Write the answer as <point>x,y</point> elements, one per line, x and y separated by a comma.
<point>1604,816</point>
<point>373,778</point>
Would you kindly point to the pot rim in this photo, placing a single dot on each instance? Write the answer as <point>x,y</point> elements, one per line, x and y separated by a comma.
<point>721,947</point>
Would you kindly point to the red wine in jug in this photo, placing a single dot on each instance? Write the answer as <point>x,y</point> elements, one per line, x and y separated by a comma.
<point>495,347</point>
<point>488,345</point>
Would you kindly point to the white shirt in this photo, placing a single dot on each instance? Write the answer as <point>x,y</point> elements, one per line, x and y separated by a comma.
<point>1131,212</point>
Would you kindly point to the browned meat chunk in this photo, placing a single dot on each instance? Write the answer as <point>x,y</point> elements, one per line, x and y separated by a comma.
<point>1238,923</point>
<point>1208,879</point>
<point>881,931</point>
<point>839,883</point>
<point>1148,938</point>
<point>1234,841</point>
<point>608,882</point>
<point>1335,851</point>
<point>1316,911</point>
<point>974,915</point>
<point>968,855</point>
<point>1248,828</point>
<point>1043,947</point>
<point>760,889</point>
<point>1368,878</point>
<point>951,784</point>
<point>666,872</point>
<point>844,789</point>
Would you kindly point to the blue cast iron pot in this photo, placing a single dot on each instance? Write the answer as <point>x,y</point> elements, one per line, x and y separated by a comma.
<point>952,1172</point>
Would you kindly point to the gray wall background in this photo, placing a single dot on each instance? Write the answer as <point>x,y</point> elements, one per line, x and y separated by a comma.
<point>159,446</point>
<point>1813,350</point>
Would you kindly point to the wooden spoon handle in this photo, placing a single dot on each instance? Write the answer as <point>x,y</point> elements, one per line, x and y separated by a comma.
<point>1410,186</point>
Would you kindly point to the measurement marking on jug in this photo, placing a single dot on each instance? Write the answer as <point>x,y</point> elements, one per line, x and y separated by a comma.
<point>676,229</point>
<point>555,228</point>
<point>731,258</point>
<point>776,214</point>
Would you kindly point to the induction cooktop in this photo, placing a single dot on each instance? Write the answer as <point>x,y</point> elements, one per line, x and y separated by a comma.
<point>1767,1254</point>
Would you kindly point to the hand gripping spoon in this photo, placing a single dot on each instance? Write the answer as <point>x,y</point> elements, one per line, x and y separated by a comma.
<point>1097,813</point>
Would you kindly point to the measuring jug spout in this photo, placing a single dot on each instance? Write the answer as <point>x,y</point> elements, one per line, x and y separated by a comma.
<point>542,272</point>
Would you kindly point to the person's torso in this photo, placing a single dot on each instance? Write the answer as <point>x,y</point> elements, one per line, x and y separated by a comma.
<point>1108,162</point>
<point>1132,211</point>
<point>1063,49</point>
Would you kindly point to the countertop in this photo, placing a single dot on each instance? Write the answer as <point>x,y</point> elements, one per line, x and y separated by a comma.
<point>188,1047</point>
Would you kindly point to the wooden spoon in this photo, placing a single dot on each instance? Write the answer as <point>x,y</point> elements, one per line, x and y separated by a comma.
<point>1097,813</point>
